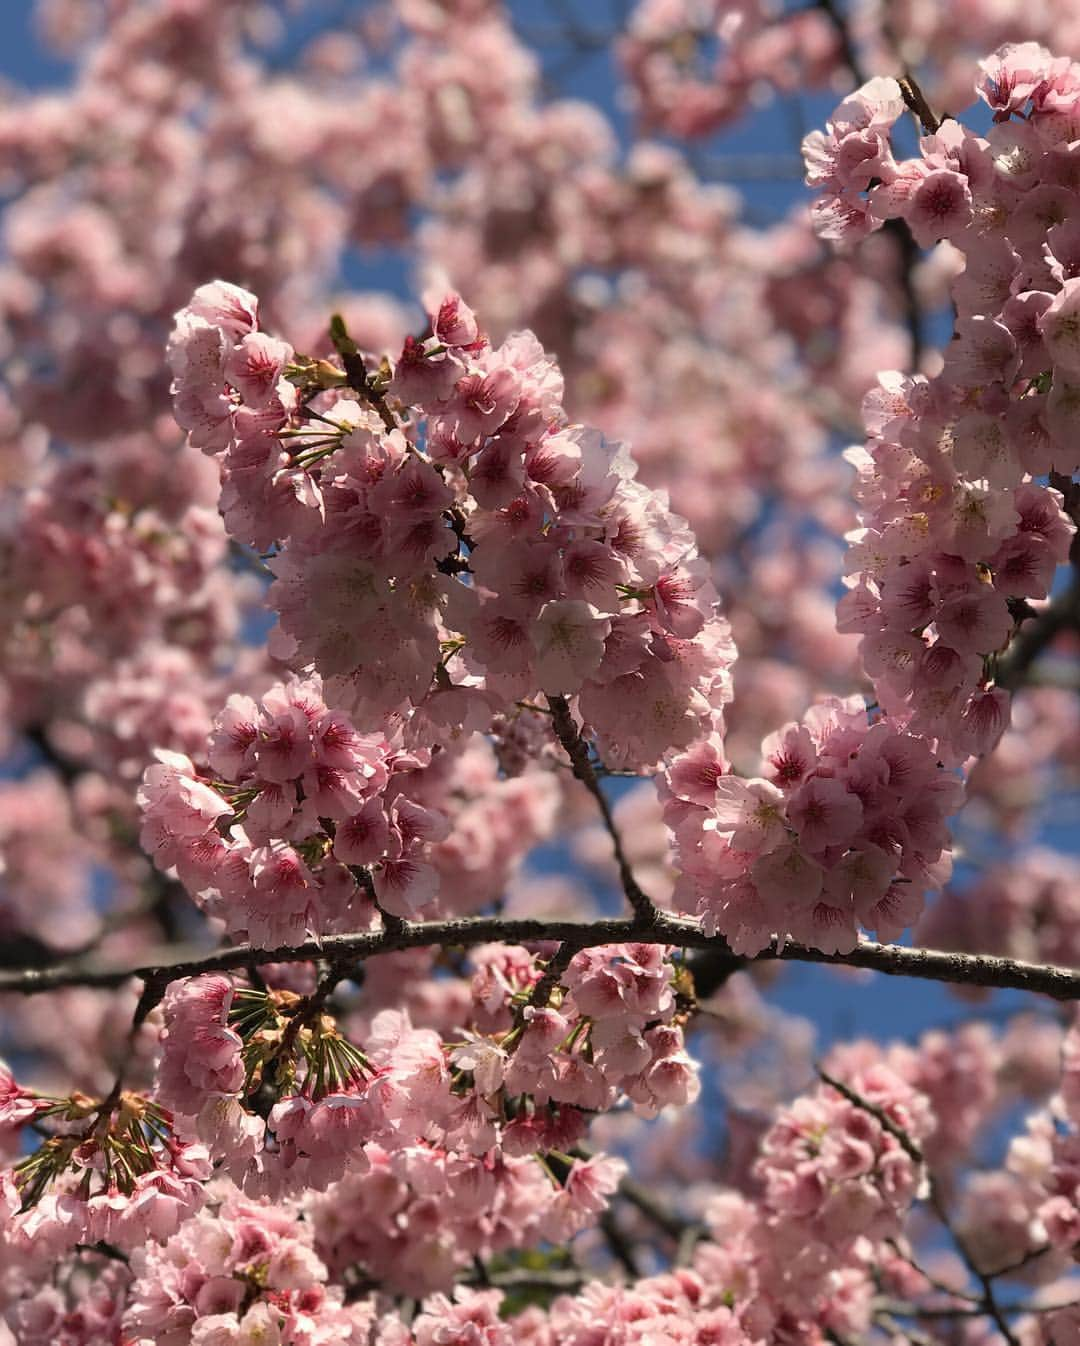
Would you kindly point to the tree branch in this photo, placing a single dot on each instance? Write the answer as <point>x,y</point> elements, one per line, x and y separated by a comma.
<point>553,1280</point>
<point>1060,614</point>
<point>577,750</point>
<point>914,318</point>
<point>620,1247</point>
<point>965,969</point>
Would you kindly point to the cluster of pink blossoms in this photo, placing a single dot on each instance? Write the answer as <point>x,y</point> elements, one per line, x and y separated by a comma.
<point>243,1274</point>
<point>685,1307</point>
<point>580,581</point>
<point>611,1034</point>
<point>495,820</point>
<point>106,544</point>
<point>116,1174</point>
<point>417,1217</point>
<point>521,1079</point>
<point>43,878</point>
<point>696,65</point>
<point>297,802</point>
<point>834,1174</point>
<point>226,1057</point>
<point>81,1305</point>
<point>1028,908</point>
<point>833,1186</point>
<point>492,601</point>
<point>294,821</point>
<point>847,827</point>
<point>955,536</point>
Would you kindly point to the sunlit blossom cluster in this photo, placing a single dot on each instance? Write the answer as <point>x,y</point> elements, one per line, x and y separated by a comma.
<point>955,533</point>
<point>581,581</point>
<point>848,827</point>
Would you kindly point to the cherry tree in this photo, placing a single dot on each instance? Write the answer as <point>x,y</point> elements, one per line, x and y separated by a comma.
<point>438,717</point>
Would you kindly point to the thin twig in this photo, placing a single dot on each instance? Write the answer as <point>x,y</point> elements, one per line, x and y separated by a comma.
<point>909,250</point>
<point>557,1280</point>
<point>905,1310</point>
<point>915,99</point>
<point>882,1118</point>
<point>575,747</point>
<point>310,1006</point>
<point>540,994</point>
<point>988,1302</point>
<point>907,1334</point>
<point>647,1202</point>
<point>950,1292</point>
<point>914,318</point>
<point>356,372</point>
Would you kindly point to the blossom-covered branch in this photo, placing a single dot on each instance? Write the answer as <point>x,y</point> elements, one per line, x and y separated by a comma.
<point>959,969</point>
<point>300,700</point>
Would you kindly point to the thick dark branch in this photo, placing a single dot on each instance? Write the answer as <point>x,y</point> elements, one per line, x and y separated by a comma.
<point>659,1214</point>
<point>620,1247</point>
<point>895,960</point>
<point>311,1006</point>
<point>577,750</point>
<point>711,970</point>
<point>559,962</point>
<point>68,771</point>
